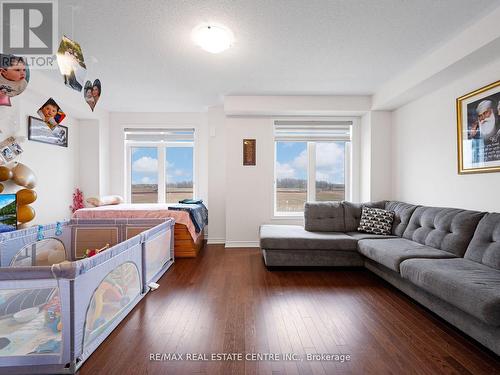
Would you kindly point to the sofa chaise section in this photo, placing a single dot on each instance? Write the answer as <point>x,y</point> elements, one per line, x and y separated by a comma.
<point>292,245</point>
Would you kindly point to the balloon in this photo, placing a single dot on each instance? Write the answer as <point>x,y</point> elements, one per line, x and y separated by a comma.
<point>1,187</point>
<point>25,213</point>
<point>23,176</point>
<point>25,196</point>
<point>5,174</point>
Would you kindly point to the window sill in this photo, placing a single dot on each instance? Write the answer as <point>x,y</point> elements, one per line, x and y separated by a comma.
<point>292,217</point>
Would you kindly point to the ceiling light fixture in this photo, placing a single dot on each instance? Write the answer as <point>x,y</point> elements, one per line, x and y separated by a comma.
<point>213,38</point>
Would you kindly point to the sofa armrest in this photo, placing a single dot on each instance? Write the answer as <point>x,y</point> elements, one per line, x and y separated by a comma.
<point>324,217</point>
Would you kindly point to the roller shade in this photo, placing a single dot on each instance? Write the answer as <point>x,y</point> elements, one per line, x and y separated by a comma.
<point>159,135</point>
<point>285,130</point>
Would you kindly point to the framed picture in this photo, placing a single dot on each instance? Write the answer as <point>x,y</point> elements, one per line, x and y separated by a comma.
<point>8,212</point>
<point>478,130</point>
<point>249,150</point>
<point>38,131</point>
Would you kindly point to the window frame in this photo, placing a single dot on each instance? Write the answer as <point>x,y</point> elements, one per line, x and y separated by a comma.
<point>162,154</point>
<point>350,167</point>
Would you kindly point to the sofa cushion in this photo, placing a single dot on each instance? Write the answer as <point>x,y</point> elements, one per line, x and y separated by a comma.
<point>391,252</point>
<point>447,229</point>
<point>402,214</point>
<point>296,237</point>
<point>467,285</point>
<point>376,221</point>
<point>324,217</point>
<point>368,236</point>
<point>485,245</point>
<point>352,213</point>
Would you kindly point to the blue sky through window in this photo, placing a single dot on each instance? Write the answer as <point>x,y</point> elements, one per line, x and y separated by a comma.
<point>144,165</point>
<point>292,161</point>
<point>178,163</point>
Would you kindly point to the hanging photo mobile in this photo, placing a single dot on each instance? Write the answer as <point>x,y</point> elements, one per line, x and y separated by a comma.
<point>51,113</point>
<point>14,77</point>
<point>9,150</point>
<point>71,63</point>
<point>92,93</point>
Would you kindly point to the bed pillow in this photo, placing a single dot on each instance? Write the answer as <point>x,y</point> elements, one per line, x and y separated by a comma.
<point>105,200</point>
<point>376,221</point>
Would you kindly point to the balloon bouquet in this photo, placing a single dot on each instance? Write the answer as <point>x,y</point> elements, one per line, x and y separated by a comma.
<point>23,176</point>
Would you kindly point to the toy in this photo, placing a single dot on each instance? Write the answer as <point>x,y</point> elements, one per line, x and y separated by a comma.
<point>53,314</point>
<point>91,252</point>
<point>77,201</point>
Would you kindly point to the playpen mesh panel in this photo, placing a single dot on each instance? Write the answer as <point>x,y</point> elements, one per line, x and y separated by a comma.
<point>41,253</point>
<point>113,295</point>
<point>157,253</point>
<point>30,322</point>
<point>94,238</point>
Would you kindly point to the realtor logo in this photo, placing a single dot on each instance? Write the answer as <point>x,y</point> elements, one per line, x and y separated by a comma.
<point>28,27</point>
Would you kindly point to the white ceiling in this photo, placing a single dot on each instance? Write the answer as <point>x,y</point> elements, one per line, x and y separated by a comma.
<point>142,51</point>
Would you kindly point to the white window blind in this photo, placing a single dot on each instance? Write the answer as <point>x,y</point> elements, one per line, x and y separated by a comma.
<point>159,135</point>
<point>313,130</point>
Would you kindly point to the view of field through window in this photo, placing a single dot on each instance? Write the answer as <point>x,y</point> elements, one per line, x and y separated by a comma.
<point>145,166</point>
<point>292,161</point>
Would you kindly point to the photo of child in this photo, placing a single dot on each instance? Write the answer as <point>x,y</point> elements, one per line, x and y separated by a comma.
<point>92,93</point>
<point>14,75</point>
<point>51,113</point>
<point>71,63</point>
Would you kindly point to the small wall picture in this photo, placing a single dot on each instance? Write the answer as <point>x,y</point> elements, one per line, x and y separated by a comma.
<point>8,213</point>
<point>249,151</point>
<point>14,75</point>
<point>478,127</point>
<point>71,63</point>
<point>39,132</point>
<point>51,113</point>
<point>92,93</point>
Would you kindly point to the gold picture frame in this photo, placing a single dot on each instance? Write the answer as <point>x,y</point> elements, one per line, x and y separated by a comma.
<point>478,130</point>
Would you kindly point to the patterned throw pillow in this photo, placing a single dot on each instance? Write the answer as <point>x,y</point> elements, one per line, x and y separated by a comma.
<point>376,221</point>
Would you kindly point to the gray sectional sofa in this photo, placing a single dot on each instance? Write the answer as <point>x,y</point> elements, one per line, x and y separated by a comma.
<point>446,259</point>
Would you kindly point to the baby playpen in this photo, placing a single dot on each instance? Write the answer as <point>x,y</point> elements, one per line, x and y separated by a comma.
<point>57,307</point>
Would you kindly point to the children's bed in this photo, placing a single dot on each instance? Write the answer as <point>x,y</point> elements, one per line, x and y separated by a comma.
<point>53,316</point>
<point>188,239</point>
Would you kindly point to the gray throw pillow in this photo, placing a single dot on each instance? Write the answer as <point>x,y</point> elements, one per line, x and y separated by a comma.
<point>376,221</point>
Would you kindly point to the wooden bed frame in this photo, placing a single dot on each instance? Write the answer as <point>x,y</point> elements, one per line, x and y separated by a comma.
<point>184,245</point>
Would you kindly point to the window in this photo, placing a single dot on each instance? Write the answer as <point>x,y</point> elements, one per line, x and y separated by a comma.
<point>312,163</point>
<point>160,165</point>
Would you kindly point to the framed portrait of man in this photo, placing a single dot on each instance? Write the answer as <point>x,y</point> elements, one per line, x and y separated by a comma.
<point>478,128</point>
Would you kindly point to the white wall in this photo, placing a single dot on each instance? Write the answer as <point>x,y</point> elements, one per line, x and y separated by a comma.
<point>375,148</point>
<point>216,122</point>
<point>56,167</point>
<point>250,189</point>
<point>424,157</point>
<point>89,179</point>
<point>120,121</point>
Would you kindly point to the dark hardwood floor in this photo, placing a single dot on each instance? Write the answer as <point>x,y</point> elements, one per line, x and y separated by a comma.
<point>226,301</point>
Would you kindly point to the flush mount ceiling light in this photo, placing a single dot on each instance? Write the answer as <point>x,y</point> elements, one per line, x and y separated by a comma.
<point>213,38</point>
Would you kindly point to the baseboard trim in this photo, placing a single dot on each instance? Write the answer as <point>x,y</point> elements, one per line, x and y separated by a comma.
<point>242,244</point>
<point>216,241</point>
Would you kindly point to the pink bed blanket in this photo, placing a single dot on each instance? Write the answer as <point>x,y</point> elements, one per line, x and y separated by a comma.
<point>138,211</point>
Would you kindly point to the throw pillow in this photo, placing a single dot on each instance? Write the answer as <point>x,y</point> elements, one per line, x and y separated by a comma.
<point>105,200</point>
<point>376,221</point>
